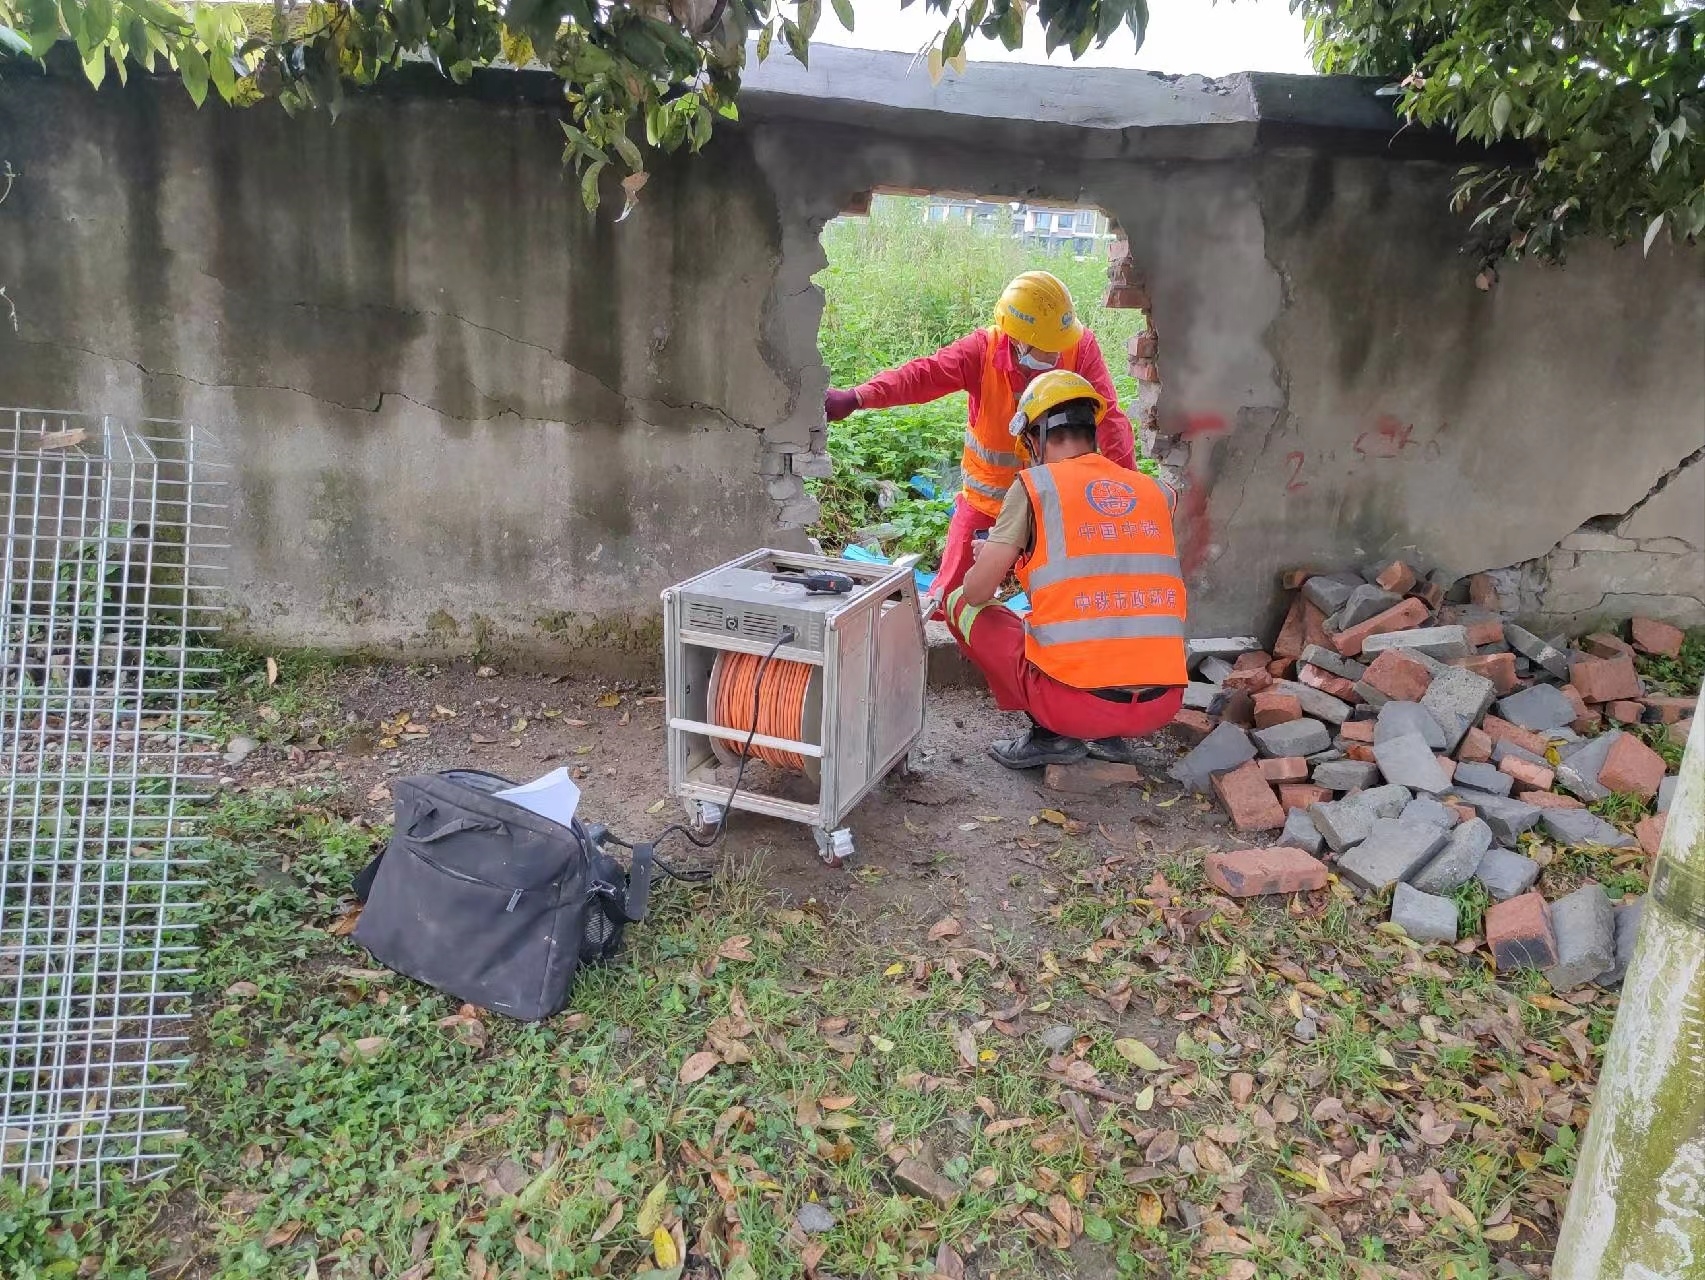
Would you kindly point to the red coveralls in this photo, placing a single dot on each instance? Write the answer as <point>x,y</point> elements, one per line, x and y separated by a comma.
<point>959,367</point>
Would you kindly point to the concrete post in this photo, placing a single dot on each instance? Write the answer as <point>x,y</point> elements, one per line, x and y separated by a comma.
<point>1637,1211</point>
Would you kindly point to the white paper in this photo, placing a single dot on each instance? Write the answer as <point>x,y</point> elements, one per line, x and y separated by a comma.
<point>553,796</point>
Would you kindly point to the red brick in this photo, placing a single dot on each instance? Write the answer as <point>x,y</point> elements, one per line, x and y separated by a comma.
<point>1549,800</point>
<point>1503,731</point>
<point>1587,720</point>
<point>1463,811</point>
<point>1280,668</point>
<point>1126,297</point>
<point>1247,873</point>
<point>1483,591</point>
<point>1248,798</point>
<point>1432,594</point>
<point>1358,731</point>
<point>1476,746</point>
<point>1146,346</point>
<point>1626,712</point>
<point>1273,707</point>
<point>1190,726</point>
<point>1679,730</point>
<point>1087,777</point>
<point>1499,668</point>
<point>1290,641</point>
<point>1605,679</point>
<point>1519,933</point>
<point>1654,637</point>
<point>1601,644</point>
<point>1314,626</point>
<point>1671,709</point>
<point>1396,578</point>
<point>1528,774</point>
<point>1254,660</point>
<point>1299,795</point>
<point>1400,617</point>
<point>1483,631</point>
<point>1632,767</point>
<point>1284,769</point>
<point>1398,675</point>
<point>1249,679</point>
<point>1326,682</point>
<point>1359,751</point>
<point>1448,765</point>
<point>1650,832</point>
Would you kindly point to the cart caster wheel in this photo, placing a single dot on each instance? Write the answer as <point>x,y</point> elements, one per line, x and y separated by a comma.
<point>702,816</point>
<point>834,847</point>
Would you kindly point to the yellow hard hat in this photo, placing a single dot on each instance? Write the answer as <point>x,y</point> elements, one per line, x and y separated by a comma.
<point>1050,390</point>
<point>1036,309</point>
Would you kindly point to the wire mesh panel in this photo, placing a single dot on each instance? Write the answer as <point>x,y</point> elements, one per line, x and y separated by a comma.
<point>106,599</point>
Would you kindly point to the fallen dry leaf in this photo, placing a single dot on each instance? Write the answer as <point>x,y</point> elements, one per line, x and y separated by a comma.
<point>944,928</point>
<point>698,1066</point>
<point>736,948</point>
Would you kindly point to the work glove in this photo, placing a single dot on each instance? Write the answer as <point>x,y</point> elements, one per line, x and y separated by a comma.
<point>839,404</point>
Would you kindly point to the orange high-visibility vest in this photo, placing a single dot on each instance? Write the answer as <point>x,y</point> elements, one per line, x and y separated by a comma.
<point>1106,592</point>
<point>990,460</point>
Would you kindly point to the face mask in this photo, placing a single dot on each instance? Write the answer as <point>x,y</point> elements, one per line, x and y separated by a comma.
<point>1027,359</point>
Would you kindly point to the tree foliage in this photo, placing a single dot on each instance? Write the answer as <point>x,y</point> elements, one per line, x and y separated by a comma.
<point>661,69</point>
<point>1609,98</point>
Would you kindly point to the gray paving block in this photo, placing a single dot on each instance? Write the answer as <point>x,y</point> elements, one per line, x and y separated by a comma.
<point>1458,700</point>
<point>1386,801</point>
<point>1293,738</point>
<point>1342,823</point>
<point>1541,706</point>
<point>1457,862</point>
<point>1585,925</point>
<point>1628,917</point>
<point>1202,697</point>
<point>1666,792</point>
<point>1225,748</point>
<point>1324,757</point>
<point>1423,916</point>
<point>1346,775</point>
<point>1584,827</point>
<point>1369,695</point>
<point>1443,643</point>
<point>1409,762</point>
<point>1393,851</point>
<point>1366,601</point>
<point>1483,777</point>
<point>1427,809</point>
<point>1506,875</point>
<point>1334,662</point>
<point>1301,833</point>
<point>1540,652</point>
<point>1579,769</point>
<point>1197,650</point>
<point>1399,718</point>
<point>1315,703</point>
<point>1508,818</point>
<point>1328,591</point>
<point>1214,670</point>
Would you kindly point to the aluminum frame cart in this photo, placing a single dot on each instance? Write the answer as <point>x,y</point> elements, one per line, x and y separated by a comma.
<point>863,709</point>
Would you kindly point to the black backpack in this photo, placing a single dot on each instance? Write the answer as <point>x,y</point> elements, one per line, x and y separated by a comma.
<point>491,902</point>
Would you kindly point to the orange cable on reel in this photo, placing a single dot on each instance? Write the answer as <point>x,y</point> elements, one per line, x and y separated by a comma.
<point>781,704</point>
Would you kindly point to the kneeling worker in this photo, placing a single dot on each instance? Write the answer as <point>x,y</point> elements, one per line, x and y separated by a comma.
<point>1100,658</point>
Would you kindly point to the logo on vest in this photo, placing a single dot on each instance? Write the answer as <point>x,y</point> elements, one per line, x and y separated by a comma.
<point>1111,497</point>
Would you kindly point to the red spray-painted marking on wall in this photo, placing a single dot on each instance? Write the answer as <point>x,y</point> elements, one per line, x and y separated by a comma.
<point>1390,440</point>
<point>1194,529</point>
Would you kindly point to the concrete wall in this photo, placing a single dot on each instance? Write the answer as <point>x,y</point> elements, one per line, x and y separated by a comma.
<point>464,413</point>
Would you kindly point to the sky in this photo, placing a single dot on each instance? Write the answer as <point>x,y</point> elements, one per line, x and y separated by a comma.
<point>1184,36</point>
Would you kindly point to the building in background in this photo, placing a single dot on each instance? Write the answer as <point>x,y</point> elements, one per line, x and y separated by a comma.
<point>1076,231</point>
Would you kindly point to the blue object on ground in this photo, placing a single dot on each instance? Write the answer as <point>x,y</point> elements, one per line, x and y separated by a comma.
<point>864,555</point>
<point>923,486</point>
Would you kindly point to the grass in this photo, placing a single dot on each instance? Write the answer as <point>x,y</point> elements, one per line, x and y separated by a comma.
<point>897,288</point>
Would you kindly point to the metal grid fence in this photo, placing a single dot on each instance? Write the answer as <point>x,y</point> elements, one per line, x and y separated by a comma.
<point>112,535</point>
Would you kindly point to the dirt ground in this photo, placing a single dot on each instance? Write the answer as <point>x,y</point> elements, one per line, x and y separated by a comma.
<point>954,833</point>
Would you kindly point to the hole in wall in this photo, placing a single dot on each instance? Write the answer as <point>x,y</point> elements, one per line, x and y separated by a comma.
<point>910,271</point>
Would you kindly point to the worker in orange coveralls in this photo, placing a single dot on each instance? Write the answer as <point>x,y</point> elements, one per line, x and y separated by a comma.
<point>1035,330</point>
<point>1100,657</point>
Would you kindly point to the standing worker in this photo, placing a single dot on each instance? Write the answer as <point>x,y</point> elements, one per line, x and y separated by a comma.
<point>1035,330</point>
<point>1099,659</point>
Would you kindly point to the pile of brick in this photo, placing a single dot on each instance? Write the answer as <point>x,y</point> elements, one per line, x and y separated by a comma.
<point>1411,741</point>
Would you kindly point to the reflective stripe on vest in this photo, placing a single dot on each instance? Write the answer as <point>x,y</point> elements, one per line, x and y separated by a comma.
<point>1060,567</point>
<point>1106,629</point>
<point>988,462</point>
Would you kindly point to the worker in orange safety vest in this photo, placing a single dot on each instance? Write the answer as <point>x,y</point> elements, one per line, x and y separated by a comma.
<point>1099,659</point>
<point>1035,330</point>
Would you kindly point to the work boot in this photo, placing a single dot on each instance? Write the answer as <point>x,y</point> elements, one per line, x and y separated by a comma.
<point>1117,750</point>
<point>1038,747</point>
